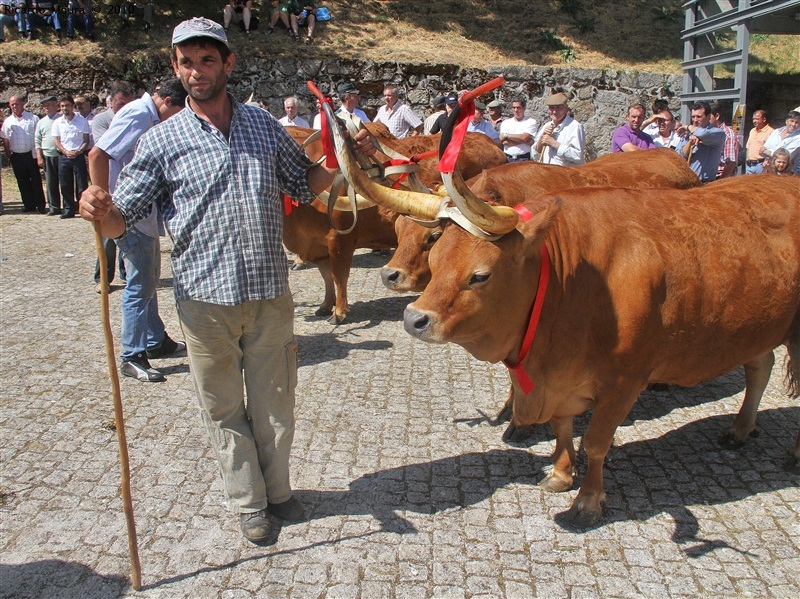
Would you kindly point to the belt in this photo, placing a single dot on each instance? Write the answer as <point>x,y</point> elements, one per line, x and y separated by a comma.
<point>752,162</point>
<point>515,157</point>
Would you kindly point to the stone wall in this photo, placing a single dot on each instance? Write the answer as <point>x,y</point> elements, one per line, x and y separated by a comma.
<point>599,97</point>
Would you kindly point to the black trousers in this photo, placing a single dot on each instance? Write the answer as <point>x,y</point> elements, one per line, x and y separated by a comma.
<point>73,179</point>
<point>29,181</point>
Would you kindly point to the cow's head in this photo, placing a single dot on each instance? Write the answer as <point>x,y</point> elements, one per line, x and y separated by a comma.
<point>481,292</point>
<point>408,269</point>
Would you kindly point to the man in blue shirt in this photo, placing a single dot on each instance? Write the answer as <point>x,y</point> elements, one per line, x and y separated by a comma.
<point>704,143</point>
<point>217,171</point>
<point>143,334</point>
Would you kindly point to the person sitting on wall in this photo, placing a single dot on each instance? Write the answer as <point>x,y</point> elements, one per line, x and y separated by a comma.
<point>237,11</point>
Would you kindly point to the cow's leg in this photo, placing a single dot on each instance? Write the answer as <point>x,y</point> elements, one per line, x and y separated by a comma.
<point>562,476</point>
<point>507,411</point>
<point>326,308</point>
<point>514,433</point>
<point>341,249</point>
<point>609,412</point>
<point>793,389</point>
<point>341,273</point>
<point>756,377</point>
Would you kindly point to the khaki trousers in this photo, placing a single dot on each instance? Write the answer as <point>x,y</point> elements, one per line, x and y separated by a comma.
<point>252,435</point>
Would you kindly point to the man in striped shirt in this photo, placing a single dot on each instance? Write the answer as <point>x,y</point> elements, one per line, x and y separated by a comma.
<point>217,172</point>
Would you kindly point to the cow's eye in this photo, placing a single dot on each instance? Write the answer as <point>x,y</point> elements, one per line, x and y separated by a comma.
<point>479,277</point>
<point>434,237</point>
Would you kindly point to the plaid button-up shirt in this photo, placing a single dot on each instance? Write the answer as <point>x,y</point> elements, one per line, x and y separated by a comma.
<point>221,201</point>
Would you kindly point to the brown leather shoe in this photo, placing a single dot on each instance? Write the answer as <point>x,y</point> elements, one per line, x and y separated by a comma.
<point>255,526</point>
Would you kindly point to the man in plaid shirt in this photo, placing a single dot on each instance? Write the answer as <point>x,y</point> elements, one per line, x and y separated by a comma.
<point>217,172</point>
<point>730,151</point>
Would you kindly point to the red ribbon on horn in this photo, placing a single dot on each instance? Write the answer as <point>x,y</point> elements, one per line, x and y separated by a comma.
<point>447,163</point>
<point>328,146</point>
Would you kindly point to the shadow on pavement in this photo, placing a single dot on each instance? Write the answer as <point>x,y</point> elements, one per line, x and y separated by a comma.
<point>56,578</point>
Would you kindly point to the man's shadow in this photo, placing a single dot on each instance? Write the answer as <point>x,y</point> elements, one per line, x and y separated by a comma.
<point>57,578</point>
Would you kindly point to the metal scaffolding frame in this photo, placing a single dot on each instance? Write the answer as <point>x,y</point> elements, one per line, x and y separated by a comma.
<point>705,20</point>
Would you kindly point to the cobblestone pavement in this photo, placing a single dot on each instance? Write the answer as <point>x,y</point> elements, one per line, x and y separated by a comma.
<point>409,488</point>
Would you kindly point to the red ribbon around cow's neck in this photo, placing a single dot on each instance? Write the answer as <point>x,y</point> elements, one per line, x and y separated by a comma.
<point>447,163</point>
<point>327,140</point>
<point>523,379</point>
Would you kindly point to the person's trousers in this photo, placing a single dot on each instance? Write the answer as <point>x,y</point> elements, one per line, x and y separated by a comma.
<point>29,181</point>
<point>73,180</point>
<point>252,436</point>
<point>51,182</point>
<point>110,247</point>
<point>754,169</point>
<point>142,327</point>
<point>82,20</point>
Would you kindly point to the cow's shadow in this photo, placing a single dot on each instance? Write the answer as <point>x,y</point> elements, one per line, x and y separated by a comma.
<point>669,474</point>
<point>367,314</point>
<point>57,578</point>
<point>652,404</point>
<point>325,347</point>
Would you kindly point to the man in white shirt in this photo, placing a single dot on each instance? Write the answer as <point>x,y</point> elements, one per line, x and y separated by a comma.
<point>563,140</point>
<point>18,133</point>
<point>398,117</point>
<point>438,109</point>
<point>477,124</point>
<point>291,119</point>
<point>517,134</point>
<point>71,136</point>
<point>349,108</point>
<point>787,137</point>
<point>665,136</point>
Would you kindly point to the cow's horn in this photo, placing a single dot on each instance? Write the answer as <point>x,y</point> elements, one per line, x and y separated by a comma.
<point>493,219</point>
<point>343,202</point>
<point>421,205</point>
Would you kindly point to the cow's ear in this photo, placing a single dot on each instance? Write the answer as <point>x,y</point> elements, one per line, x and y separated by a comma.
<point>535,229</point>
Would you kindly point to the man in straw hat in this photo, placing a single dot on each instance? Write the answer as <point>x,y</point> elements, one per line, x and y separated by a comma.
<point>562,141</point>
<point>229,267</point>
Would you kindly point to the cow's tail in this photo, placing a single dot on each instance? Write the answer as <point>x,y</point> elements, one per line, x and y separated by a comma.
<point>792,368</point>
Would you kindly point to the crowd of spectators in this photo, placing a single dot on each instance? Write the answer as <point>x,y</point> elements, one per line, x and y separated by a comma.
<point>30,16</point>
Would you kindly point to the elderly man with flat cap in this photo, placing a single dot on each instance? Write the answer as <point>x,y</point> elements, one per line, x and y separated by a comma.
<point>477,124</point>
<point>47,153</point>
<point>231,281</point>
<point>495,108</point>
<point>563,140</point>
<point>349,108</point>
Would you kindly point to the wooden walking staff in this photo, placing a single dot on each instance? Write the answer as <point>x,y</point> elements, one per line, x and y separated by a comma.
<point>119,420</point>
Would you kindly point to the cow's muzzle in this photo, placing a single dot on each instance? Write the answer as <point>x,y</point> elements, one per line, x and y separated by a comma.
<point>417,324</point>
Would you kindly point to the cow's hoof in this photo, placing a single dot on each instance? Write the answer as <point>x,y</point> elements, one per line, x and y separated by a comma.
<point>323,311</point>
<point>505,414</point>
<point>730,441</point>
<point>792,465</point>
<point>336,319</point>
<point>555,484</point>
<point>582,518</point>
<point>517,434</point>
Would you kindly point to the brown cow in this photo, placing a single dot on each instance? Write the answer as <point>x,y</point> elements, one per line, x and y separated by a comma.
<point>645,286</point>
<point>308,232</point>
<point>512,183</point>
